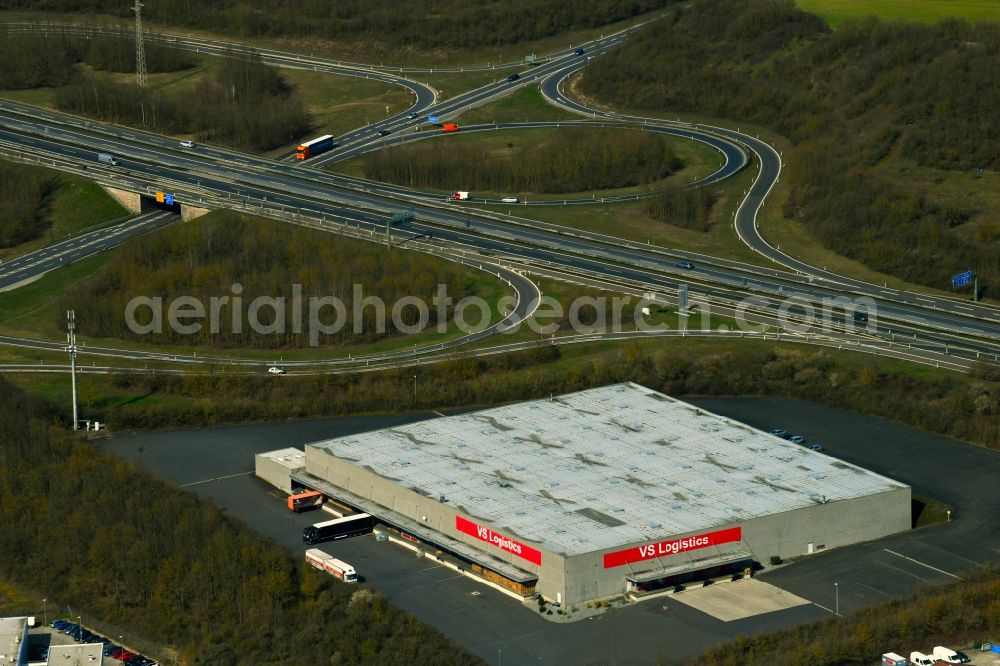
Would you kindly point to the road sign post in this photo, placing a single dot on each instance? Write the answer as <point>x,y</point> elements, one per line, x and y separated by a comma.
<point>964,280</point>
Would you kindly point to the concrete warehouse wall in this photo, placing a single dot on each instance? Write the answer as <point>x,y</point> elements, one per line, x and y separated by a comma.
<point>278,475</point>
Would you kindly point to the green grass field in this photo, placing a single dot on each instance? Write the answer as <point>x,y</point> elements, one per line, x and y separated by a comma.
<point>926,11</point>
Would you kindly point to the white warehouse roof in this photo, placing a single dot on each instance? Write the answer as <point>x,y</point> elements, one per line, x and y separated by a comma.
<point>293,459</point>
<point>604,467</point>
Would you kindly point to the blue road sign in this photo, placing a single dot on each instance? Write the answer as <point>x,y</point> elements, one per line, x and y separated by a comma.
<point>168,199</point>
<point>961,280</point>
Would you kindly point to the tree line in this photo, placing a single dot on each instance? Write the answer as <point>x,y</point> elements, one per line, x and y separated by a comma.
<point>862,104</point>
<point>24,193</point>
<point>385,23</point>
<point>945,404</point>
<point>34,61</point>
<point>91,531</point>
<point>264,258</point>
<point>573,160</point>
<point>246,105</point>
<point>688,208</point>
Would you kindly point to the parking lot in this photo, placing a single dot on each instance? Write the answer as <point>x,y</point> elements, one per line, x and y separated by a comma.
<point>66,632</point>
<point>218,465</point>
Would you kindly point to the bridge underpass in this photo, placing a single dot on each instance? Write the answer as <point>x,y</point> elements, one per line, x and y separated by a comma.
<point>136,202</point>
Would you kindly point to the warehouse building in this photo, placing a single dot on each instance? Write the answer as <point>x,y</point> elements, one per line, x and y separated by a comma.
<point>613,490</point>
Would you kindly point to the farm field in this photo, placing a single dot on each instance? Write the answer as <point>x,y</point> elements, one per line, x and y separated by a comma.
<point>927,11</point>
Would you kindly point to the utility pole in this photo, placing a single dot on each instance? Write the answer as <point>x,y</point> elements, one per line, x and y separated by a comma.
<point>140,51</point>
<point>71,348</point>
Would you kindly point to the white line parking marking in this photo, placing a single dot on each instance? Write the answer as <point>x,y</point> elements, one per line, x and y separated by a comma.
<point>831,612</point>
<point>219,478</point>
<point>922,564</point>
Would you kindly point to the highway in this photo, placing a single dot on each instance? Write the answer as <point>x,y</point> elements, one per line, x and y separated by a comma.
<point>217,177</point>
<point>30,267</point>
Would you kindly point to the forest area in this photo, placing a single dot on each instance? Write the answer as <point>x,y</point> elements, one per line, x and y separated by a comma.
<point>140,553</point>
<point>205,259</point>
<point>244,104</point>
<point>945,404</point>
<point>865,106</point>
<point>23,194</point>
<point>433,24</point>
<point>573,160</point>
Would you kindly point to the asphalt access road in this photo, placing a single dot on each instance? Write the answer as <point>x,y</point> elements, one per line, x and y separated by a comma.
<point>217,464</point>
<point>960,474</point>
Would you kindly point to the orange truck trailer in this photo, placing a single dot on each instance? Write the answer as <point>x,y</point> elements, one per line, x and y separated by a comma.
<point>306,501</point>
<point>449,127</point>
<point>312,148</point>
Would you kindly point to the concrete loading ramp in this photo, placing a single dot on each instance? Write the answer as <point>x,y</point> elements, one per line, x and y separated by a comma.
<point>738,600</point>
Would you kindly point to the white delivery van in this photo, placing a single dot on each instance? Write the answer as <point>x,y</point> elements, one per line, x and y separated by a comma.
<point>942,653</point>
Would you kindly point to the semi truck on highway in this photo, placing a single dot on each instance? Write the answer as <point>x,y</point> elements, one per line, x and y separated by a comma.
<point>460,196</point>
<point>341,528</point>
<point>331,565</point>
<point>449,127</point>
<point>312,148</point>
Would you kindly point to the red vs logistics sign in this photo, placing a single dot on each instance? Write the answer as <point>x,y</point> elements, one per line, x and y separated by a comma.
<point>672,547</point>
<point>498,540</point>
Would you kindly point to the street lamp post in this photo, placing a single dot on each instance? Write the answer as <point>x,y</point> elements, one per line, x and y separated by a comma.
<point>79,629</point>
<point>45,612</point>
<point>836,592</point>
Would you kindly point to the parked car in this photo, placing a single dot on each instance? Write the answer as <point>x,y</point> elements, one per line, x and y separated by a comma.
<point>816,446</point>
<point>921,659</point>
<point>778,432</point>
<point>797,439</point>
<point>951,656</point>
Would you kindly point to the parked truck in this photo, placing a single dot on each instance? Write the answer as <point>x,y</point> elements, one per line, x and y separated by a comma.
<point>317,558</point>
<point>341,528</point>
<point>342,570</point>
<point>311,499</point>
<point>324,561</point>
<point>893,659</point>
<point>312,148</point>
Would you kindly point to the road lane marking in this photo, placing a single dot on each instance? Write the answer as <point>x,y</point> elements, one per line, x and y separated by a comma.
<point>922,564</point>
<point>218,478</point>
